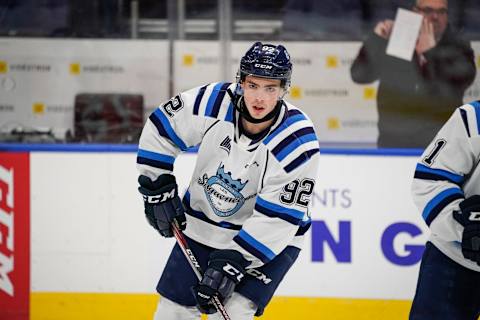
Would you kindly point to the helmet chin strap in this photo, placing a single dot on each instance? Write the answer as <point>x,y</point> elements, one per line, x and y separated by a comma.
<point>242,108</point>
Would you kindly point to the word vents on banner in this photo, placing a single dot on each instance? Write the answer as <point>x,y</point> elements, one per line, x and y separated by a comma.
<point>334,197</point>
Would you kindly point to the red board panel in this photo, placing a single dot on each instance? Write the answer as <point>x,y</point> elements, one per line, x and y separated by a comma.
<point>14,235</point>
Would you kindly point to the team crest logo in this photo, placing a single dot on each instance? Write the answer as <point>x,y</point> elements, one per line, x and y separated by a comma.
<point>223,192</point>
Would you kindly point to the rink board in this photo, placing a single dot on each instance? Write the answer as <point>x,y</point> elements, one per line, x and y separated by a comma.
<point>92,250</point>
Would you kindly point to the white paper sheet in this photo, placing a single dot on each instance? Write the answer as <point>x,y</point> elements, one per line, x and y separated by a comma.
<point>404,34</point>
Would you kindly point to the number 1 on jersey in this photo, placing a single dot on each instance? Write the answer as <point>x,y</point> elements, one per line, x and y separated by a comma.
<point>439,144</point>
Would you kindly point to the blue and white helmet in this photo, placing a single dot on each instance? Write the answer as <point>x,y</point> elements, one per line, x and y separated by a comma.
<point>266,61</point>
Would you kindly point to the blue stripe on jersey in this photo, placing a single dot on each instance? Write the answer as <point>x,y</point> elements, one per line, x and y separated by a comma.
<point>200,215</point>
<point>218,100</point>
<point>276,211</point>
<point>293,112</point>
<point>198,99</point>
<point>229,116</point>
<point>304,226</point>
<point>288,122</point>
<point>155,156</point>
<point>186,196</point>
<point>250,244</point>
<point>158,124</point>
<point>476,105</point>
<point>439,202</point>
<point>156,160</point>
<point>165,129</point>
<point>427,173</point>
<point>216,93</point>
<point>291,138</point>
<point>154,163</point>
<point>463,113</point>
<point>295,144</point>
<point>300,159</point>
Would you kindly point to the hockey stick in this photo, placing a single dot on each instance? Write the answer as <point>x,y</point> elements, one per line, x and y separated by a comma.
<point>182,242</point>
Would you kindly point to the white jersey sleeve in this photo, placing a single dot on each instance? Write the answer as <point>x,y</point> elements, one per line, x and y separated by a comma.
<point>281,211</point>
<point>179,124</point>
<point>444,168</point>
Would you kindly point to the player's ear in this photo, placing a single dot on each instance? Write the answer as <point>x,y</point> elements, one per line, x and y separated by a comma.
<point>283,92</point>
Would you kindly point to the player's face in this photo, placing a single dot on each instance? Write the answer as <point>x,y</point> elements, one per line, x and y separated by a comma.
<point>436,11</point>
<point>261,95</point>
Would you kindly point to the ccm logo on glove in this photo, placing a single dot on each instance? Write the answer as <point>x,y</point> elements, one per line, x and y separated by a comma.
<point>474,216</point>
<point>160,197</point>
<point>228,268</point>
<point>163,207</point>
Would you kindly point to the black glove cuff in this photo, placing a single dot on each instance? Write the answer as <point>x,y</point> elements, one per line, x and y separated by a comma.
<point>162,180</point>
<point>162,204</point>
<point>470,203</point>
<point>203,295</point>
<point>468,208</point>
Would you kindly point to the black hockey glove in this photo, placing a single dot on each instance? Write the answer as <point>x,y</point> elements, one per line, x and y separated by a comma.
<point>225,270</point>
<point>469,218</point>
<point>162,204</point>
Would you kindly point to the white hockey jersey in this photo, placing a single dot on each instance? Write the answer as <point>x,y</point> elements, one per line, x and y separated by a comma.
<point>447,173</point>
<point>250,195</point>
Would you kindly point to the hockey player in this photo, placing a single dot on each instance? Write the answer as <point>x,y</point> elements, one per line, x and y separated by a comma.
<point>246,208</point>
<point>446,189</point>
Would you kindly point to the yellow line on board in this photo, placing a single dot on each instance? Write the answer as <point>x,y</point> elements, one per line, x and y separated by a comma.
<point>103,306</point>
<point>336,309</point>
<point>91,306</point>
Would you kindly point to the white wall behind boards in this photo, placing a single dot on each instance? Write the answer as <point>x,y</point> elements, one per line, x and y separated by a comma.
<point>341,110</point>
<point>39,79</point>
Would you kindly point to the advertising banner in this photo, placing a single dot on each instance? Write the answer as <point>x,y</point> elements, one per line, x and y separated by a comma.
<point>14,236</point>
<point>367,236</point>
<point>342,111</point>
<point>40,78</point>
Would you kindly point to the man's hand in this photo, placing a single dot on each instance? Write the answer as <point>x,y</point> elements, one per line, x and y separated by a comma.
<point>426,37</point>
<point>384,28</point>
<point>225,270</point>
<point>162,204</point>
<point>469,218</point>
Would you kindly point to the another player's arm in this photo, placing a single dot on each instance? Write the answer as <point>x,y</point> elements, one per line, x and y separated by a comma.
<point>441,171</point>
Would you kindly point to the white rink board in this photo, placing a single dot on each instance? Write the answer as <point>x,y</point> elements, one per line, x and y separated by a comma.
<point>89,233</point>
